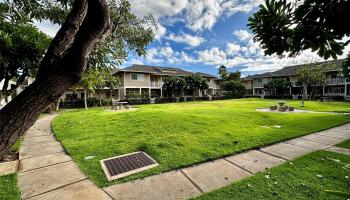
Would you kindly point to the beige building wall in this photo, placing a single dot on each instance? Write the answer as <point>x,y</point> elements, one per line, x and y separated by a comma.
<point>142,83</point>
<point>212,83</point>
<point>248,85</point>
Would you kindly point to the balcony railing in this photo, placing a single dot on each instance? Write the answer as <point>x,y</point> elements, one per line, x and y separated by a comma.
<point>334,81</point>
<point>156,84</point>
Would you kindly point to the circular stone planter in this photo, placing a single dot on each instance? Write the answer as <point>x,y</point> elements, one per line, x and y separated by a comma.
<point>283,108</point>
<point>281,103</point>
<point>274,107</point>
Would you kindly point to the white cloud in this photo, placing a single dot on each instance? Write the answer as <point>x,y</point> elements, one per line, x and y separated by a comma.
<point>167,52</point>
<point>191,40</point>
<point>184,57</point>
<point>166,55</point>
<point>196,14</point>
<point>233,48</point>
<point>159,32</point>
<point>251,58</point>
<point>243,35</point>
<point>213,56</point>
<point>234,6</point>
<point>202,14</point>
<point>151,56</point>
<point>158,8</point>
<point>136,61</point>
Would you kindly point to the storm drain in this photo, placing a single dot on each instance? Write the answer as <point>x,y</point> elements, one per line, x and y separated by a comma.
<point>127,164</point>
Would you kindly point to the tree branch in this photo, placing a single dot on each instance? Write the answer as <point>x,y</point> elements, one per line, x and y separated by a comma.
<point>70,27</point>
<point>96,26</point>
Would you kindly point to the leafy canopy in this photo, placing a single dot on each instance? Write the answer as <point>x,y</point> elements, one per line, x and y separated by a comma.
<point>22,46</point>
<point>129,34</point>
<point>320,25</point>
<point>223,71</point>
<point>174,84</point>
<point>228,76</point>
<point>311,76</point>
<point>233,88</point>
<point>195,81</point>
<point>278,86</point>
<point>346,67</point>
<point>97,79</point>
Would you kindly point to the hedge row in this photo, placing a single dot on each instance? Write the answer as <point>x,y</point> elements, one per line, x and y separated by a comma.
<point>79,103</point>
<point>94,102</point>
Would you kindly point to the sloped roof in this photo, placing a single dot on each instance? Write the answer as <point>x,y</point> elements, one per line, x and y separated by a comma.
<point>333,65</point>
<point>161,70</point>
<point>206,75</point>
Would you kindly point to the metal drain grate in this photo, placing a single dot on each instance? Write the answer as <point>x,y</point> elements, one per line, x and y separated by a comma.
<point>127,164</point>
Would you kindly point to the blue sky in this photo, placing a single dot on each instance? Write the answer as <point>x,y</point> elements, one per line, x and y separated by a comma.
<point>200,35</point>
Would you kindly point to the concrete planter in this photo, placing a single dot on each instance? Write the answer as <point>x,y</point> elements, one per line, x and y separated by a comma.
<point>273,108</point>
<point>283,108</point>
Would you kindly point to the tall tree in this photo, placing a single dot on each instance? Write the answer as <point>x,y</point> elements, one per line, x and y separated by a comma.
<point>100,79</point>
<point>346,67</point>
<point>278,87</point>
<point>194,83</point>
<point>233,88</point>
<point>233,76</point>
<point>223,72</point>
<point>310,76</point>
<point>173,84</point>
<point>87,83</point>
<point>112,82</point>
<point>281,26</point>
<point>88,23</point>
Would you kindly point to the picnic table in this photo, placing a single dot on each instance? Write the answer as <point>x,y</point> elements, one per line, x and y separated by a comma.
<point>118,105</point>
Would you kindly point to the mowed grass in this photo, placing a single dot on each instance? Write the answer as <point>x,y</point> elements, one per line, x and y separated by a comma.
<point>182,134</point>
<point>8,187</point>
<point>345,144</point>
<point>304,178</point>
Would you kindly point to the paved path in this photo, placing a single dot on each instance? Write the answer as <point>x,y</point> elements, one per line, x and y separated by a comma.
<point>47,172</point>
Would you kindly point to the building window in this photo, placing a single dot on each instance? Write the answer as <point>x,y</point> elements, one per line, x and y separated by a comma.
<point>71,96</point>
<point>137,77</point>
<point>334,75</point>
<point>259,80</point>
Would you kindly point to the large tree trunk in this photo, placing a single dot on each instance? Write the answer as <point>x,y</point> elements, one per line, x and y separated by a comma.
<point>62,67</point>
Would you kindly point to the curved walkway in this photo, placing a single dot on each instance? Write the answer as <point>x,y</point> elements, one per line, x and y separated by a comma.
<point>47,172</point>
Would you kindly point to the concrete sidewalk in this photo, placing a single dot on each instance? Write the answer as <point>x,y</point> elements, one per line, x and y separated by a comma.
<point>47,172</point>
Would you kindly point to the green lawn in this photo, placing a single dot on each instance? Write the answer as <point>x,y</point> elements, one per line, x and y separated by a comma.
<point>8,187</point>
<point>306,178</point>
<point>345,144</point>
<point>182,134</point>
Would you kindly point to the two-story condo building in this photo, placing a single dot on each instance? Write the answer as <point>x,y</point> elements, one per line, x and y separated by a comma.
<point>148,80</point>
<point>25,84</point>
<point>335,86</point>
<point>143,79</point>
